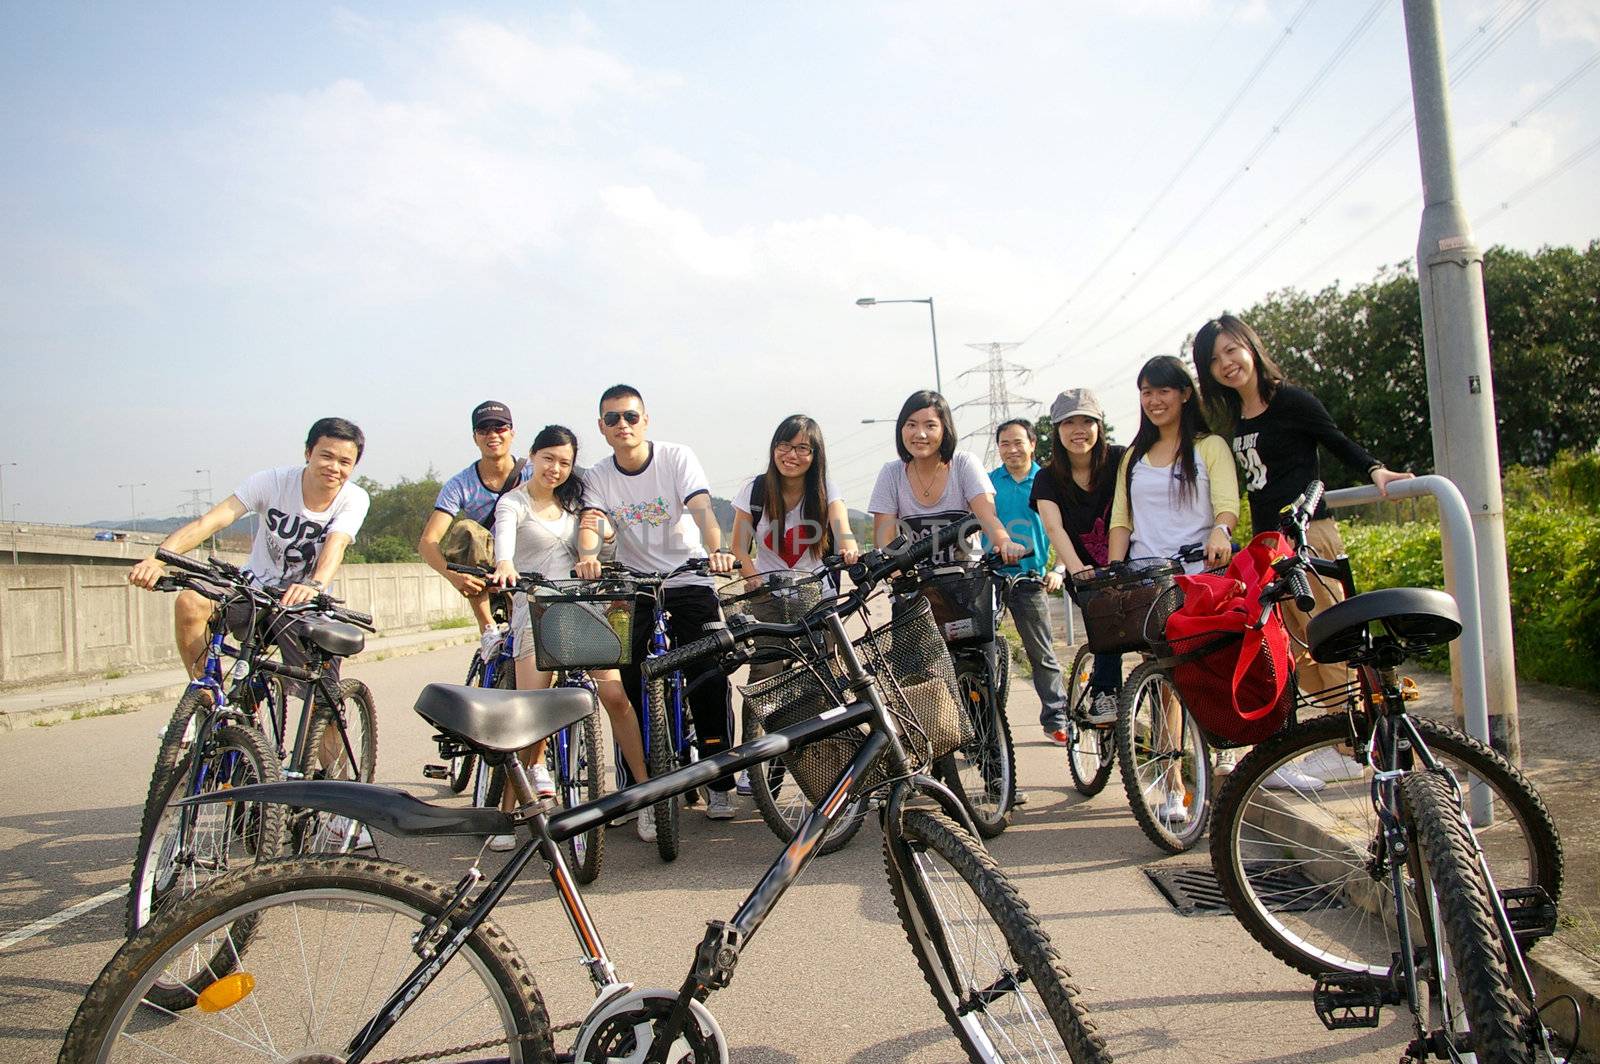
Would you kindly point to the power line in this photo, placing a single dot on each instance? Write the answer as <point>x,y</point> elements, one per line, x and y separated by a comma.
<point>1550,175</point>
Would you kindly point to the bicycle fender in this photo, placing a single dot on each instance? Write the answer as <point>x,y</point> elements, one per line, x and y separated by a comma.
<point>388,809</point>
<point>929,787</point>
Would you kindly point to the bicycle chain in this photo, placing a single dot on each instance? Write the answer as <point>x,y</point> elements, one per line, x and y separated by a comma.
<point>418,1058</point>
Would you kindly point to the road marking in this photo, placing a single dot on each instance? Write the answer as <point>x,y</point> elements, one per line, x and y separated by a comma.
<point>72,912</point>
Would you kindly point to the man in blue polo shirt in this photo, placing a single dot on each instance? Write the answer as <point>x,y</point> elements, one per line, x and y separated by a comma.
<point>1030,610</point>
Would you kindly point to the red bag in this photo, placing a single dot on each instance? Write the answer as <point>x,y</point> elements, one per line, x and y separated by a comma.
<point>1235,675</point>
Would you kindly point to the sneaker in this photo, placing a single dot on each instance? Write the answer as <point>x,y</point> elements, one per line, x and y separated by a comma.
<point>1057,735</point>
<point>1331,766</point>
<point>502,843</point>
<point>742,783</point>
<point>1290,778</point>
<point>489,644</point>
<point>720,805</point>
<point>543,785</point>
<point>647,824</point>
<point>1226,759</point>
<point>1103,710</point>
<point>1173,808</point>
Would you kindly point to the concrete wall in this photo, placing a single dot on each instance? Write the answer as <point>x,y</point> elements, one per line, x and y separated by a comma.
<point>66,622</point>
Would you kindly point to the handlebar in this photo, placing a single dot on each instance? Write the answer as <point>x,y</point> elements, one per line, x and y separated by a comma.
<point>720,641</point>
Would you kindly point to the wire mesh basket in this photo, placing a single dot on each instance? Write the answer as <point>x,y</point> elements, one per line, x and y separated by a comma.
<point>963,601</point>
<point>1115,602</point>
<point>782,597</point>
<point>582,629</point>
<point>915,678</point>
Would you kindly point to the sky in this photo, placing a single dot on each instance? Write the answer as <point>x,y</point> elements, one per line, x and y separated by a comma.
<point>225,221</point>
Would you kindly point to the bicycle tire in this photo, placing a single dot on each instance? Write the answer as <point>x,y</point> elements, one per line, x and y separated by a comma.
<point>1091,751</point>
<point>1323,936</point>
<point>299,911</point>
<point>465,763</point>
<point>784,806</point>
<point>955,897</point>
<point>1147,757</point>
<point>581,780</point>
<point>194,700</point>
<point>490,785</point>
<point>661,759</point>
<point>1002,672</point>
<point>1468,976</point>
<point>167,869</point>
<point>982,772</point>
<point>311,827</point>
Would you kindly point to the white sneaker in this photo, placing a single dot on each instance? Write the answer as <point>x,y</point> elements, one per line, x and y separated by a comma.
<point>742,783</point>
<point>647,824</point>
<point>1226,760</point>
<point>543,785</point>
<point>502,843</point>
<point>489,644</point>
<point>1290,778</point>
<point>1103,709</point>
<point>1173,808</point>
<point>1331,766</point>
<point>720,805</point>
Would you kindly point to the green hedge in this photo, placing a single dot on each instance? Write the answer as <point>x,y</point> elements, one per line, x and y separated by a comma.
<point>1553,554</point>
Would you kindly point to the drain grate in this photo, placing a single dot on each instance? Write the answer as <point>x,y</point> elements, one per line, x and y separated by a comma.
<point>1192,890</point>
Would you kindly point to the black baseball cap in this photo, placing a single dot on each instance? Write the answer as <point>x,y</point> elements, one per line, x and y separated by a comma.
<point>490,410</point>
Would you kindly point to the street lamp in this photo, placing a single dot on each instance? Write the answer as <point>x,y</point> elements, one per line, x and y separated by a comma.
<point>3,466</point>
<point>133,508</point>
<point>869,301</point>
<point>210,501</point>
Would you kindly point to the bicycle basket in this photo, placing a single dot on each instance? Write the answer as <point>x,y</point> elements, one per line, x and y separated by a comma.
<point>963,603</point>
<point>1116,600</point>
<point>915,678</point>
<point>783,597</point>
<point>577,630</point>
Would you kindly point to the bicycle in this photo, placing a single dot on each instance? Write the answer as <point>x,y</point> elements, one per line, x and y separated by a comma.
<point>1000,984</point>
<point>1419,876</point>
<point>499,672</point>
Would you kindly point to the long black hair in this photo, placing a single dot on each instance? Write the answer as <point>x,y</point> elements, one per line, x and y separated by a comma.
<point>947,421</point>
<point>1166,371</point>
<point>814,497</point>
<point>1222,403</point>
<point>568,493</point>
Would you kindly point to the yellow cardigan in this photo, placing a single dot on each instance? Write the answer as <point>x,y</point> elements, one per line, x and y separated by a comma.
<point>1218,457</point>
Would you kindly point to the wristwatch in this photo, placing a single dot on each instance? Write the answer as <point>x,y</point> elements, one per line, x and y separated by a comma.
<point>315,584</point>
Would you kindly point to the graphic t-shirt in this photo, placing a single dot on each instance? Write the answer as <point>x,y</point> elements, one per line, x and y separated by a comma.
<point>289,536</point>
<point>466,495</point>
<point>800,537</point>
<point>648,509</point>
<point>1277,453</point>
<point>894,495</point>
<point>1086,518</point>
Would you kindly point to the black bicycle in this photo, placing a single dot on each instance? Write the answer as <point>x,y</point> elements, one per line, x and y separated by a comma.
<point>353,960</point>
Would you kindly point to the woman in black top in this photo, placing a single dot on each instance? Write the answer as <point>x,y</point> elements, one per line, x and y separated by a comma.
<point>1072,495</point>
<point>1276,429</point>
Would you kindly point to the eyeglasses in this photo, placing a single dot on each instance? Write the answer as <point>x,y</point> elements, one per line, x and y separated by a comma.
<point>490,428</point>
<point>800,450</point>
<point>611,417</point>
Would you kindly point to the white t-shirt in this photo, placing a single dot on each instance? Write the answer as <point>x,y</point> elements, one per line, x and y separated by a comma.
<point>289,535</point>
<point>1164,520</point>
<point>799,547</point>
<point>534,545</point>
<point>894,495</point>
<point>648,509</point>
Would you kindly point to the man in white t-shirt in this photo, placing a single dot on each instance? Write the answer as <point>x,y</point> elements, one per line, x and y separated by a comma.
<point>655,499</point>
<point>308,516</point>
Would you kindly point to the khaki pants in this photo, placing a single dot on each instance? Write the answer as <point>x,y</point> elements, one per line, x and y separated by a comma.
<point>1323,536</point>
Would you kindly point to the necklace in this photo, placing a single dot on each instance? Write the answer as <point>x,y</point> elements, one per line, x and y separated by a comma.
<point>927,491</point>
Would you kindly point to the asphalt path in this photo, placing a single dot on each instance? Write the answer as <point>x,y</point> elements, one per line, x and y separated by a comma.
<point>828,978</point>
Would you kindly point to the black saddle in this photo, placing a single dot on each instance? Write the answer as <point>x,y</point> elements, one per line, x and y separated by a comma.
<point>502,721</point>
<point>1414,616</point>
<point>334,637</point>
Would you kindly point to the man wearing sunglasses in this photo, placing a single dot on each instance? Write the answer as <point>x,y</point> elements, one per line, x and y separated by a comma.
<point>471,496</point>
<point>655,499</point>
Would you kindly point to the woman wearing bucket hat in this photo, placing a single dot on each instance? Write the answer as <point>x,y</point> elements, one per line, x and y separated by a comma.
<point>1073,498</point>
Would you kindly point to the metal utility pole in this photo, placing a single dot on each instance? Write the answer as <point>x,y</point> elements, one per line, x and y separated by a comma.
<point>933,327</point>
<point>133,507</point>
<point>1455,343</point>
<point>1001,401</point>
<point>3,466</point>
<point>210,501</point>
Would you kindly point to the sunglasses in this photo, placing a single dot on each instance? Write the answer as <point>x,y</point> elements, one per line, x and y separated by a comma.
<point>611,417</point>
<point>489,428</point>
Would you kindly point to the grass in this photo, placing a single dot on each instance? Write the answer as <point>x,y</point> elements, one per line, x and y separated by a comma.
<point>113,674</point>
<point>85,714</point>
<point>450,622</point>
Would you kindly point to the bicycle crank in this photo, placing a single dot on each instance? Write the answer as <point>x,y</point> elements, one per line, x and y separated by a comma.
<point>619,1031</point>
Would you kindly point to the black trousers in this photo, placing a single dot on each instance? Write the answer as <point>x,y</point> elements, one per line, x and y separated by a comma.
<point>689,609</point>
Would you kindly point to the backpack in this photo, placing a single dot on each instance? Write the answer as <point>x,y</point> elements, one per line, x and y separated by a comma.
<point>470,543</point>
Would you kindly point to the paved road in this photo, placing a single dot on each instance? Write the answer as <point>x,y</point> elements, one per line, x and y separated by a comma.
<point>828,979</point>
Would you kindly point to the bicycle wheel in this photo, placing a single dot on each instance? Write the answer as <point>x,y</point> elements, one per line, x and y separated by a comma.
<point>999,982</point>
<point>1002,672</point>
<point>463,764</point>
<point>181,848</point>
<point>490,784</point>
<point>1091,751</point>
<point>324,832</point>
<point>784,806</point>
<point>1166,766</point>
<point>330,940</point>
<point>983,772</point>
<point>1469,984</point>
<point>579,773</point>
<point>661,759</point>
<point>1298,867</point>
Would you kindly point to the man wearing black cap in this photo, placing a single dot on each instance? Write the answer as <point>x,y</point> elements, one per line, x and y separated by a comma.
<point>471,495</point>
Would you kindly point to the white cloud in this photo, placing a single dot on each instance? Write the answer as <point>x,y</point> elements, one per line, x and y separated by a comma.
<point>1570,20</point>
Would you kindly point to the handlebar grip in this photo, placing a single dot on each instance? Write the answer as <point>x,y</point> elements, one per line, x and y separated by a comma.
<point>718,642</point>
<point>355,616</point>
<point>1313,497</point>
<point>188,564</point>
<point>941,538</point>
<point>1300,588</point>
<point>469,570</point>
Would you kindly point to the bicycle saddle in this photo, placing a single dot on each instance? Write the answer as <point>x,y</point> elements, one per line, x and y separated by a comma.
<point>502,721</point>
<point>335,637</point>
<point>1414,616</point>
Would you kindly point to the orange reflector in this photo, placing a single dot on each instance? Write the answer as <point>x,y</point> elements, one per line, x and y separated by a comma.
<point>226,992</point>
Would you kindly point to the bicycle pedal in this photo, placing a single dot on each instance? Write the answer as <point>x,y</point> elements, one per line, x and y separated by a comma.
<point>435,772</point>
<point>1531,913</point>
<point>1348,1000</point>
